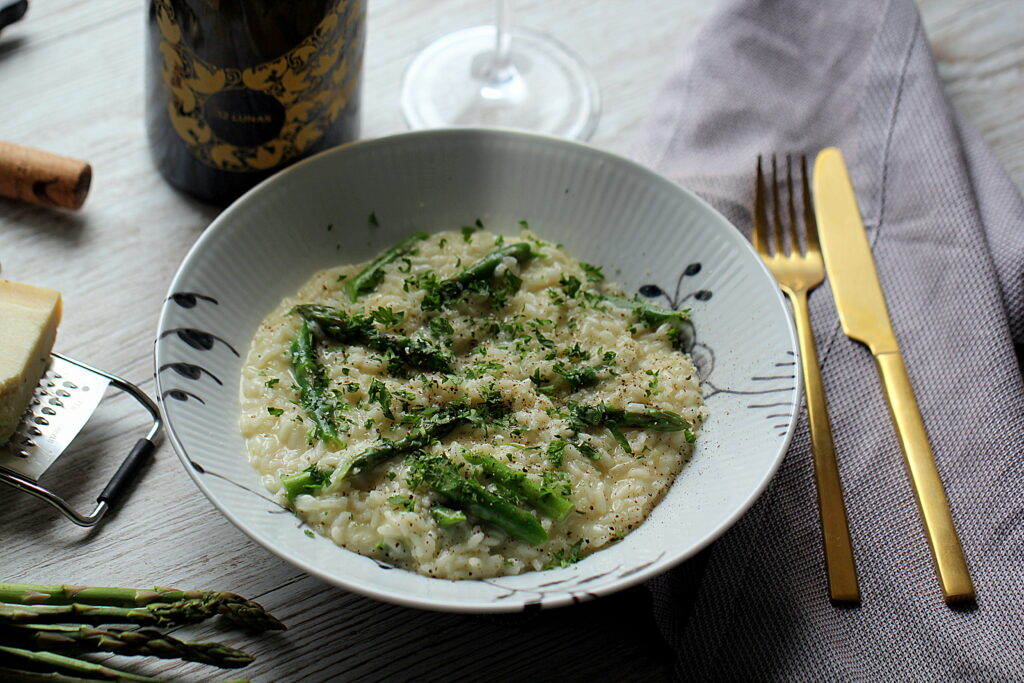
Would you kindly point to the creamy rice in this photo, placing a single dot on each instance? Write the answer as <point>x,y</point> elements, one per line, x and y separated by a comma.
<point>550,320</point>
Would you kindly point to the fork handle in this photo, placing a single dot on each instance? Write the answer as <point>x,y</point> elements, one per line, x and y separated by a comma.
<point>839,563</point>
<point>950,563</point>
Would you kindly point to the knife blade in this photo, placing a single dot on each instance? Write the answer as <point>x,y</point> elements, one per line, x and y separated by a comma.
<point>865,318</point>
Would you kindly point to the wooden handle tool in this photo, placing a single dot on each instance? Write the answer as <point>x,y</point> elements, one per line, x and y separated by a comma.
<point>32,175</point>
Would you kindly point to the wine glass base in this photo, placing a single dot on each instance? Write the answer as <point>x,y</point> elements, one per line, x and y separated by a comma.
<point>546,90</point>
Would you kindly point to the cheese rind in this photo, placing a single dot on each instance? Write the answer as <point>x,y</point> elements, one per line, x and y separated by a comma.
<point>29,317</point>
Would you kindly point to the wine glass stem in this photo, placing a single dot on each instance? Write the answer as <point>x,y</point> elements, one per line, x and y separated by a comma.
<point>501,64</point>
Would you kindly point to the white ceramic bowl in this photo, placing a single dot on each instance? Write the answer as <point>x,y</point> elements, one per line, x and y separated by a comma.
<point>648,233</point>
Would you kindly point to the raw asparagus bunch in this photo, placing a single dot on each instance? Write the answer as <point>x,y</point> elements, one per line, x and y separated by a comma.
<point>42,626</point>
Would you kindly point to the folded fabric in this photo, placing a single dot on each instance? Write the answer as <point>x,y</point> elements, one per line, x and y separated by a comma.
<point>947,229</point>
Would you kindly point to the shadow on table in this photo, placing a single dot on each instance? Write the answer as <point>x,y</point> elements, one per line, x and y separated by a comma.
<point>335,636</point>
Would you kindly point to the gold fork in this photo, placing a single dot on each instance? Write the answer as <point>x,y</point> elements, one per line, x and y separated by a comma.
<point>798,272</point>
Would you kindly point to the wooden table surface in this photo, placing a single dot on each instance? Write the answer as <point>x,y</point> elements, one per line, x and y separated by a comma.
<point>71,81</point>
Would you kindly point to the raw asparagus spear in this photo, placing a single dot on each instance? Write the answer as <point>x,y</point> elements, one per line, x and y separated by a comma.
<point>92,614</point>
<point>51,594</point>
<point>143,642</point>
<point>437,472</point>
<point>312,382</point>
<point>451,289</point>
<point>543,498</point>
<point>22,676</point>
<point>371,276</point>
<point>359,329</point>
<point>189,611</point>
<point>89,669</point>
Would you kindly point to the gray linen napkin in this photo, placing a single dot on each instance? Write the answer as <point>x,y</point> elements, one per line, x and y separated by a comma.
<point>947,229</point>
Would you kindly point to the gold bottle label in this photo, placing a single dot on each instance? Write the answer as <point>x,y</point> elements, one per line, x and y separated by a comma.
<point>256,118</point>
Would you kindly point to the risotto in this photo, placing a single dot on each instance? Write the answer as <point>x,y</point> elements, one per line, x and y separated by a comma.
<point>469,405</point>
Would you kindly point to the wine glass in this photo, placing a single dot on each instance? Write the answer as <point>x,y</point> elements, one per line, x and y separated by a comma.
<point>497,76</point>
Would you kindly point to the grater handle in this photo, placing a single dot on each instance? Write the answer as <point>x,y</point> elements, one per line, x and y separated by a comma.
<point>127,473</point>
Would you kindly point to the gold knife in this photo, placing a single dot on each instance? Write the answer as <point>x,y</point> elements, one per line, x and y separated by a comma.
<point>865,318</point>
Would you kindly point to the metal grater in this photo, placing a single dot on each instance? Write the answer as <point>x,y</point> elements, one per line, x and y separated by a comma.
<point>67,396</point>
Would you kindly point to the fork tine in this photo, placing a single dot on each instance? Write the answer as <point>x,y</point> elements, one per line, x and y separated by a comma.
<point>760,236</point>
<point>809,221</point>
<point>776,214</point>
<point>794,239</point>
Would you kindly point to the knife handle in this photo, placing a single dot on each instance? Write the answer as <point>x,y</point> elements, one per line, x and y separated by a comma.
<point>948,554</point>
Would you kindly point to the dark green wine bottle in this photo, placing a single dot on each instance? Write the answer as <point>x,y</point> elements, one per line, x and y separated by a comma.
<point>238,89</point>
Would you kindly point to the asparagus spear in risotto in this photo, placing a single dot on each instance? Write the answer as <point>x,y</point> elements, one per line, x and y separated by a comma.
<point>450,290</point>
<point>653,315</point>
<point>359,329</point>
<point>312,382</point>
<point>371,276</point>
<point>583,416</point>
<point>442,476</point>
<point>517,485</point>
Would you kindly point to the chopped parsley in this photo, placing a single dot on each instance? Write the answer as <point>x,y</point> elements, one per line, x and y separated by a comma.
<point>576,378</point>
<point>558,482</point>
<point>478,370</point>
<point>446,516</point>
<point>593,273</point>
<point>565,557</point>
<point>441,327</point>
<point>542,340</point>
<point>556,451</point>
<point>542,384</point>
<point>379,394</point>
<point>405,503</point>
<point>387,317</point>
<point>570,285</point>
<point>578,353</point>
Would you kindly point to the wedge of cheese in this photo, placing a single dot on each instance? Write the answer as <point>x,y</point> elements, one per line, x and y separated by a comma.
<point>28,326</point>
